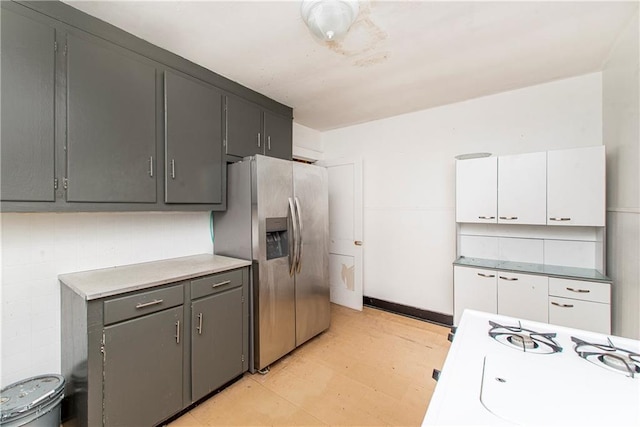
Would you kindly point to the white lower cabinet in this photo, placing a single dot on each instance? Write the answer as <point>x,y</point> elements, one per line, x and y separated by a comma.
<point>566,302</point>
<point>474,288</point>
<point>580,304</point>
<point>523,295</point>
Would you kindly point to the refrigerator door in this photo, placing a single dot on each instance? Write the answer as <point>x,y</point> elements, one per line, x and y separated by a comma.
<point>312,307</point>
<point>274,291</point>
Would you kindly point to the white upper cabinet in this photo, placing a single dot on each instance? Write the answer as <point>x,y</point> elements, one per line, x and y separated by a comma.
<point>576,187</point>
<point>522,189</point>
<point>476,190</point>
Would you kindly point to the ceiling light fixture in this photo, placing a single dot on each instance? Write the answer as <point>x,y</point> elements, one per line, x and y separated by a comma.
<point>329,19</point>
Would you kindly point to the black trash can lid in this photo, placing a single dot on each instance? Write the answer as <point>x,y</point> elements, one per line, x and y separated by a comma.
<point>22,396</point>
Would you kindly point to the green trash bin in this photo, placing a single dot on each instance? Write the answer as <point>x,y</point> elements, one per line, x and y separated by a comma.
<point>34,402</point>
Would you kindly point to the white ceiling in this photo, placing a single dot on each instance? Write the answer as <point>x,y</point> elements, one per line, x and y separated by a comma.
<point>398,56</point>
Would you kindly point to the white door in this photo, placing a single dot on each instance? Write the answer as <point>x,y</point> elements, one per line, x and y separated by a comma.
<point>345,231</point>
<point>477,190</point>
<point>522,189</point>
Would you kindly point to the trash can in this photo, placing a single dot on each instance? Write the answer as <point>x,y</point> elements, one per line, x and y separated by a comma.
<point>34,402</point>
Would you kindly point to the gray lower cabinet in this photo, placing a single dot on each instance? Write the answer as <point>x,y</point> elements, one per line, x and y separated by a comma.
<point>252,130</point>
<point>137,358</point>
<point>111,123</point>
<point>216,344</point>
<point>28,96</point>
<point>193,136</point>
<point>143,369</point>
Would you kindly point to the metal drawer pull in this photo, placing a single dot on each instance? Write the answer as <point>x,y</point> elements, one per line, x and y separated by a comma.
<point>269,143</point>
<point>226,282</point>
<point>487,217</point>
<point>173,169</point>
<point>509,217</point>
<point>486,275</point>
<point>151,166</point>
<point>562,305</point>
<point>150,303</point>
<point>511,279</point>
<point>580,291</point>
<point>199,328</point>
<point>178,332</point>
<point>557,218</point>
<point>258,139</point>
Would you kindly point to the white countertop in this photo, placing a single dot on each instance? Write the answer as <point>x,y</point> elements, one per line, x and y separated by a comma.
<point>105,282</point>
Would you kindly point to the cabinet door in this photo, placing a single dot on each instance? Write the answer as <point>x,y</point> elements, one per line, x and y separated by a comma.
<point>576,187</point>
<point>522,189</point>
<point>143,369</point>
<point>477,190</point>
<point>523,296</point>
<point>216,345</point>
<point>193,126</point>
<point>587,315</point>
<point>475,289</point>
<point>28,81</point>
<point>111,123</point>
<point>278,133</point>
<point>244,124</point>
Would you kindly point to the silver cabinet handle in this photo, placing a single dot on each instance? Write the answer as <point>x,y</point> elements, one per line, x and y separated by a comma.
<point>178,332</point>
<point>226,282</point>
<point>269,143</point>
<point>486,217</point>
<point>300,241</point>
<point>486,275</point>
<point>511,279</point>
<point>580,291</point>
<point>150,303</point>
<point>151,166</point>
<point>557,218</point>
<point>258,139</point>
<point>509,218</point>
<point>173,169</point>
<point>199,328</point>
<point>562,305</point>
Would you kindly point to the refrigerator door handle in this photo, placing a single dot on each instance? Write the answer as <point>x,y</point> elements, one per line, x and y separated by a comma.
<point>293,245</point>
<point>300,241</point>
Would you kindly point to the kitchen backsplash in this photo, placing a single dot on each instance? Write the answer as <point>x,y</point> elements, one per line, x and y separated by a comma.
<point>35,248</point>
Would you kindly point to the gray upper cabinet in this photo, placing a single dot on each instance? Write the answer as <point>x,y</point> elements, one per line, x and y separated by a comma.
<point>252,130</point>
<point>244,128</point>
<point>278,136</point>
<point>28,94</point>
<point>111,123</point>
<point>193,141</point>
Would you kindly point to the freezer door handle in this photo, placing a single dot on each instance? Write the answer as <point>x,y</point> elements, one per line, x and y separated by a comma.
<point>292,243</point>
<point>300,241</point>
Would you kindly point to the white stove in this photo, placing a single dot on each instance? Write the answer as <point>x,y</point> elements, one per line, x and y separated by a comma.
<point>502,370</point>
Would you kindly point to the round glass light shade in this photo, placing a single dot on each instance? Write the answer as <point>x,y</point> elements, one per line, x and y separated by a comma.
<point>329,19</point>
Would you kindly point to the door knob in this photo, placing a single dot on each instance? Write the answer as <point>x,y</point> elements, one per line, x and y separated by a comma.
<point>358,243</point>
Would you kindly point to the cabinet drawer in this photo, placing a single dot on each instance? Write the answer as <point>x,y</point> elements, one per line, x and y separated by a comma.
<point>591,316</point>
<point>215,283</point>
<point>119,309</point>
<point>580,290</point>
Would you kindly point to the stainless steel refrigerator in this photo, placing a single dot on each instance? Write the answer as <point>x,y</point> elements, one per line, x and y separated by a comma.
<point>278,216</point>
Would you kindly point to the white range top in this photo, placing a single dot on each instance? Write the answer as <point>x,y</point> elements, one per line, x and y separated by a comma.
<point>486,381</point>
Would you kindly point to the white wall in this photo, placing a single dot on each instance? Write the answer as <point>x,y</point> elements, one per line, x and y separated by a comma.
<point>409,176</point>
<point>621,126</point>
<point>35,248</point>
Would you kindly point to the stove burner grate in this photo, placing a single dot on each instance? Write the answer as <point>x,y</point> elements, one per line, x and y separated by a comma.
<point>523,339</point>
<point>609,356</point>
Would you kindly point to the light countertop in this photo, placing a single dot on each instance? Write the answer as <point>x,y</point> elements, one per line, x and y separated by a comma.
<point>105,282</point>
<point>542,269</point>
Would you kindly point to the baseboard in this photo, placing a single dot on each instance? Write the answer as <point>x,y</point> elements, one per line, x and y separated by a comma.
<point>405,310</point>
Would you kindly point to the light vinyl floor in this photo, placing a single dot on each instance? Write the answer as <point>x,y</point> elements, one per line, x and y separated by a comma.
<point>371,368</point>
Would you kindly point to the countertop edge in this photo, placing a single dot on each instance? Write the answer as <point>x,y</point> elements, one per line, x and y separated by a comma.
<point>71,280</point>
<point>499,267</point>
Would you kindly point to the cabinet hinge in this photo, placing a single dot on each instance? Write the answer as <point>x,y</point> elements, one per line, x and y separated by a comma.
<point>55,183</point>
<point>65,183</point>
<point>65,49</point>
<point>55,46</point>
<point>102,349</point>
<point>242,299</point>
<point>242,358</point>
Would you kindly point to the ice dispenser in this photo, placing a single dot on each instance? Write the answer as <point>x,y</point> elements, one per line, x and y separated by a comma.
<point>277,238</point>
